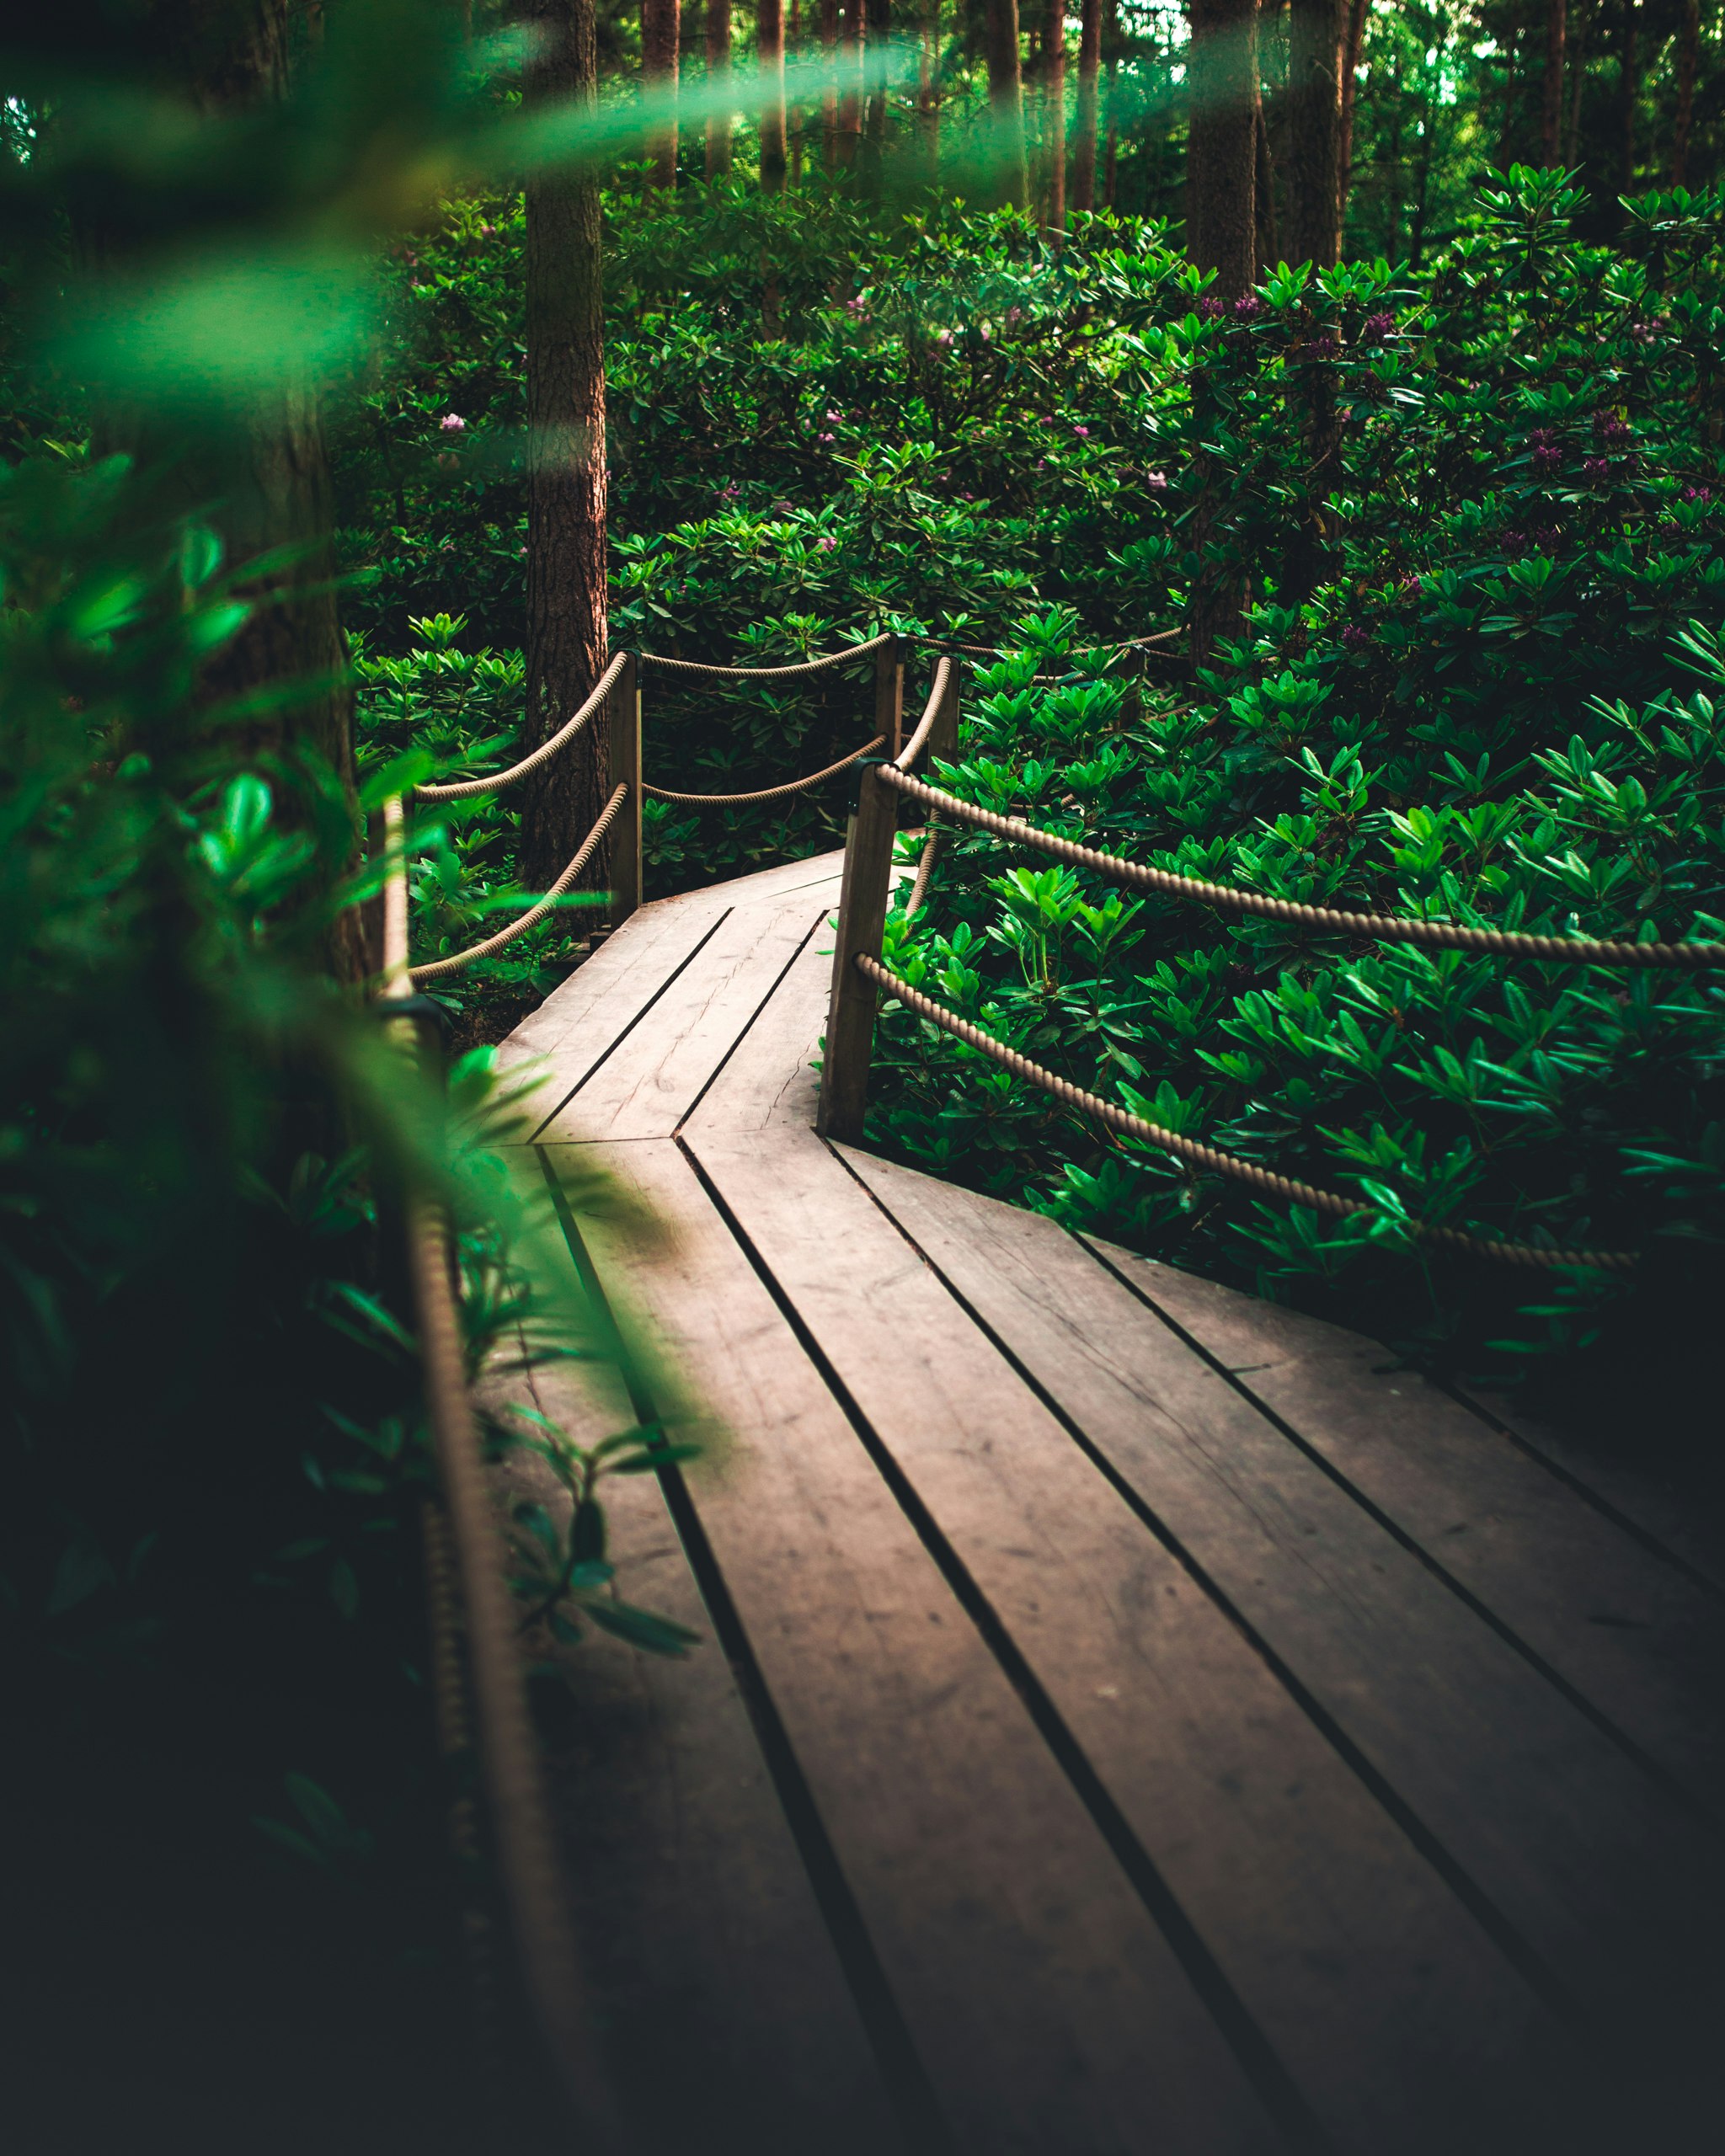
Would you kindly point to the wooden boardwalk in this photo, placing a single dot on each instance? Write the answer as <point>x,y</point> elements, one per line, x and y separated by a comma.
<point>1133,1718</point>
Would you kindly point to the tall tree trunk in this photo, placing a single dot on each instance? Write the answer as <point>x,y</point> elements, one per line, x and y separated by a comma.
<point>793,118</point>
<point>1579,27</point>
<point>1351,52</point>
<point>830,102</point>
<point>1084,140</point>
<point>1551,99</point>
<point>770,59</point>
<point>1269,252</point>
<point>1221,142</point>
<point>1053,74</point>
<point>928,98</point>
<point>850,59</point>
<point>878,17</point>
<point>1310,166</point>
<point>566,640</point>
<point>718,68</point>
<point>660,32</point>
<point>1005,104</point>
<point>1507,130</point>
<point>1629,91</point>
<point>1688,49</point>
<point>1110,108</point>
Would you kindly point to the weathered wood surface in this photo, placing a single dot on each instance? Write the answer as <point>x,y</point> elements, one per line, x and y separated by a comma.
<point>1177,1728</point>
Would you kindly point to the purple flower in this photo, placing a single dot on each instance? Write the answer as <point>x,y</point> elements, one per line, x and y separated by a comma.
<point>825,438</point>
<point>1355,638</point>
<point>1322,348</point>
<point>1210,309</point>
<point>781,509</point>
<point>824,545</point>
<point>1376,326</point>
<point>834,416</point>
<point>1613,431</point>
<point>945,337</point>
<point>488,231</point>
<point>967,498</point>
<point>1247,307</point>
<point>1042,464</point>
<point>1083,432</point>
<point>452,423</point>
<point>1596,467</point>
<point>1547,457</point>
<point>1696,495</point>
<point>1158,482</point>
<point>1014,314</point>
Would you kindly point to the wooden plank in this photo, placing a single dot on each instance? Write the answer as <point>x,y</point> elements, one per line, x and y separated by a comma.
<point>1047,2009</point>
<point>1676,1512</point>
<point>769,1076</point>
<point>1568,1845</point>
<point>701,1932</point>
<point>1402,2024</point>
<point>1640,1642</point>
<point>653,1078</point>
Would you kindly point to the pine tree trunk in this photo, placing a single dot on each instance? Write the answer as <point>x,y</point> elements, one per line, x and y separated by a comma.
<point>1552,99</point>
<point>770,60</point>
<point>1350,90</point>
<point>1111,110</point>
<point>1089,122</point>
<point>1005,104</point>
<point>830,102</point>
<point>1221,142</point>
<point>1688,48</point>
<point>567,636</point>
<point>1269,251</point>
<point>1053,111</point>
<point>660,32</point>
<point>718,67</point>
<point>1311,165</point>
<point>1629,93</point>
<point>879,23</point>
<point>850,59</point>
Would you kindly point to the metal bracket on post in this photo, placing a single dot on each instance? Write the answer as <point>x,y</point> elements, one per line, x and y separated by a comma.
<point>625,718</point>
<point>889,693</point>
<point>862,901</point>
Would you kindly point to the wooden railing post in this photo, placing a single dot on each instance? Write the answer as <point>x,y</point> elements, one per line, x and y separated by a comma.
<point>625,719</point>
<point>889,693</point>
<point>850,1018</point>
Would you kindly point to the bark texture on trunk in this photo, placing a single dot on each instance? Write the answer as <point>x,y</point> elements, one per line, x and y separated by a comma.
<point>1688,49</point>
<point>1264,202</point>
<point>1551,97</point>
<point>830,102</point>
<point>770,59</point>
<point>1350,88</point>
<point>718,67</point>
<point>661,33</point>
<point>1629,93</point>
<point>1506,130</point>
<point>850,61</point>
<point>1089,119</point>
<point>1006,103</point>
<point>878,24</point>
<point>567,636</point>
<point>1221,142</point>
<point>1053,72</point>
<point>1311,160</point>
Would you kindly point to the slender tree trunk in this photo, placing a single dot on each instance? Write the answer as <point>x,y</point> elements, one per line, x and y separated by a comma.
<point>661,30</point>
<point>928,98</point>
<point>718,68</point>
<point>830,102</point>
<point>1551,99</point>
<point>1111,109</point>
<point>1006,103</point>
<point>793,117</point>
<point>1629,91</point>
<point>1350,88</point>
<point>567,639</point>
<point>1264,202</point>
<point>878,15</point>
<point>1310,168</point>
<point>1054,110</point>
<point>1579,27</point>
<point>770,59</point>
<point>1084,141</point>
<point>1506,130</point>
<point>1221,142</point>
<point>1688,49</point>
<point>850,103</point>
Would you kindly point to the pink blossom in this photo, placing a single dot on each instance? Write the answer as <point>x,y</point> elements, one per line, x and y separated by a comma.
<point>452,423</point>
<point>825,546</point>
<point>826,438</point>
<point>944,338</point>
<point>1083,432</point>
<point>1158,482</point>
<point>834,417</point>
<point>488,231</point>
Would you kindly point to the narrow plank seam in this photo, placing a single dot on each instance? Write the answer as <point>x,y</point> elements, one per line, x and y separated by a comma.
<point>618,1038</point>
<point>1579,1487</point>
<point>778,981</point>
<point>1692,1807</point>
<point>903,2074</point>
<point>1535,1970</point>
<point>1270,2079</point>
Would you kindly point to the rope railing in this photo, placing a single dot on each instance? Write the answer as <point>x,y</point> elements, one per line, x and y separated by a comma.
<point>1398,928</point>
<point>1199,1155</point>
<point>765,792</point>
<point>715,672</point>
<point>480,1639</point>
<point>938,692</point>
<point>465,789</point>
<point>434,969</point>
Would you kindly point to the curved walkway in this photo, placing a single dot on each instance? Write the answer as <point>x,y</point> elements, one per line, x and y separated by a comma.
<point>1132,1717</point>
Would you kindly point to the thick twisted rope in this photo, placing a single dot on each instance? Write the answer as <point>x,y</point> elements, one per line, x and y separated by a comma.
<point>930,713</point>
<point>765,672</point>
<point>436,968</point>
<point>464,789</point>
<point>925,869</point>
<point>767,793</point>
<point>1200,1156</point>
<point>1150,643</point>
<point>1388,928</point>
